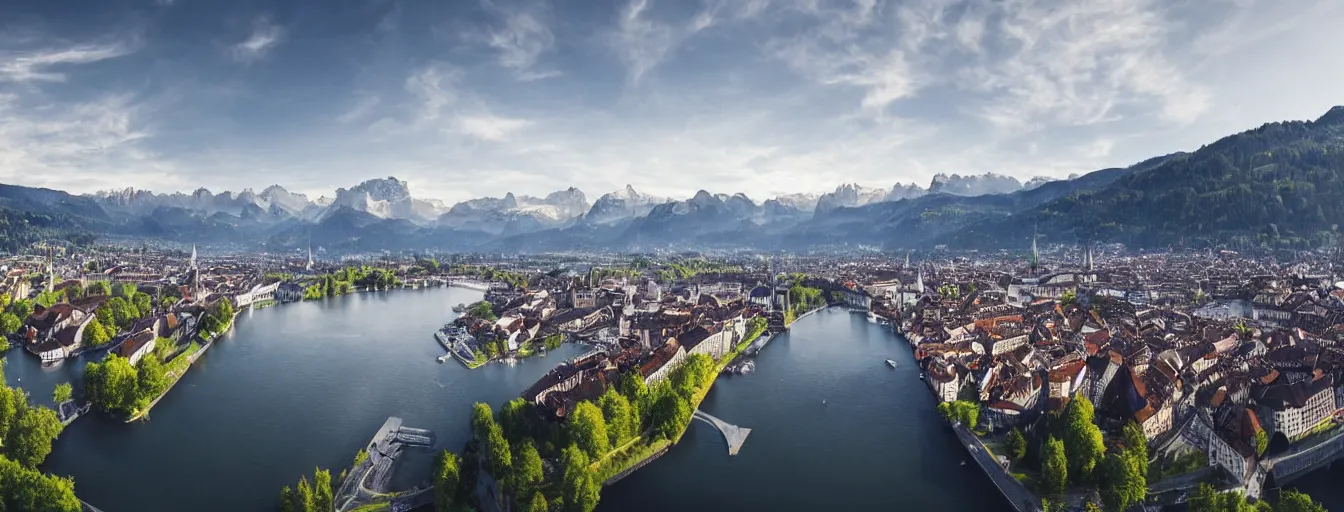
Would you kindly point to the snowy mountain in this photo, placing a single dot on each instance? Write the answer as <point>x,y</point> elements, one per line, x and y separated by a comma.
<point>624,204</point>
<point>849,195</point>
<point>516,214</point>
<point>974,185</point>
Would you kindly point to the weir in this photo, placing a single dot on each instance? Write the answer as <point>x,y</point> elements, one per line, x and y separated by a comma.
<point>734,434</point>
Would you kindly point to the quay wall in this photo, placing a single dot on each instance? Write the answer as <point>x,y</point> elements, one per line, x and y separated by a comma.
<point>628,471</point>
<point>1012,490</point>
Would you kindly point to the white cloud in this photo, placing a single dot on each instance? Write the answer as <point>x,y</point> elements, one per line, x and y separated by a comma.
<point>265,37</point>
<point>642,42</point>
<point>489,127</point>
<point>521,41</point>
<point>35,66</point>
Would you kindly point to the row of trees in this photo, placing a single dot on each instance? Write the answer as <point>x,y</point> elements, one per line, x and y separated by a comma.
<point>512,445</point>
<point>961,411</point>
<point>316,497</point>
<point>115,385</point>
<point>1207,499</point>
<point>514,279</point>
<point>218,318</point>
<point>26,433</point>
<point>1075,452</point>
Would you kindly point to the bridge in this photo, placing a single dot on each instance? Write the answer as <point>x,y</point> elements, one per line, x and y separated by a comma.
<point>1289,466</point>
<point>367,482</point>
<point>734,434</point>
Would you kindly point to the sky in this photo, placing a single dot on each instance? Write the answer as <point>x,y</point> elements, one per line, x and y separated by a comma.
<point>472,98</point>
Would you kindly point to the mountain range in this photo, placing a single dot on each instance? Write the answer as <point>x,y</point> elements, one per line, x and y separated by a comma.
<point>1276,184</point>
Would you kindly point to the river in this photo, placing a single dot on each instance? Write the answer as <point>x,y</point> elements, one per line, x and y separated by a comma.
<point>293,387</point>
<point>833,428</point>
<point>303,385</point>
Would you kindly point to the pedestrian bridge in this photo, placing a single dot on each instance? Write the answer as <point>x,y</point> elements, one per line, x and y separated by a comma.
<point>734,434</point>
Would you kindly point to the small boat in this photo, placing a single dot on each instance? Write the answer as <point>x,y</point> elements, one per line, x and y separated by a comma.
<point>891,363</point>
<point>963,463</point>
<point>871,317</point>
<point>921,376</point>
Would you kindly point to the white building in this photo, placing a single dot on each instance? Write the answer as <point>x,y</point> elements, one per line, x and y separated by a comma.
<point>258,293</point>
<point>1295,412</point>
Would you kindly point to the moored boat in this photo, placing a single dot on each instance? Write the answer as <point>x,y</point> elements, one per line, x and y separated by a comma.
<point>891,363</point>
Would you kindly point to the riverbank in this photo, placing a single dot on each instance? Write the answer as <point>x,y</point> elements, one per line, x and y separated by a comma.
<point>177,375</point>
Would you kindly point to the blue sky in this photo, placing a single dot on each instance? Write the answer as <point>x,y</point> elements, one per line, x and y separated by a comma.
<point>468,98</point>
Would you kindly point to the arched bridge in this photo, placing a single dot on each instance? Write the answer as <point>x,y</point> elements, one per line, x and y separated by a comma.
<point>734,434</point>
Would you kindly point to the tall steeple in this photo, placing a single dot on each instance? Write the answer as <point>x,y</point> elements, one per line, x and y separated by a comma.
<point>309,266</point>
<point>1035,255</point>
<point>192,261</point>
<point>1091,263</point>
<point>907,259</point>
<point>919,280</point>
<point>51,273</point>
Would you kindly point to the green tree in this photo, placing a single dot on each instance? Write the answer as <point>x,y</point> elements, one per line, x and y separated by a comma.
<point>1123,482</point>
<point>122,313</point>
<point>1261,442</point>
<point>669,414</point>
<point>287,500</point>
<point>62,392</point>
<point>515,419</point>
<point>1083,441</point>
<point>538,503</point>
<point>588,429</point>
<point>9,323</point>
<point>578,489</point>
<point>527,471</point>
<point>303,496</point>
<point>29,440</point>
<point>1017,445</point>
<point>9,408</point>
<point>112,384</point>
<point>1204,499</point>
<point>21,308</point>
<point>24,488</point>
<point>1054,468</point>
<point>635,391</point>
<point>98,288</point>
<point>142,304</point>
<point>152,378</point>
<point>95,335</point>
<point>622,423</point>
<point>499,457</point>
<point>1136,446</point>
<point>447,475</point>
<point>72,292</point>
<point>1293,501</point>
<point>323,501</point>
<point>482,420</point>
<point>124,290</point>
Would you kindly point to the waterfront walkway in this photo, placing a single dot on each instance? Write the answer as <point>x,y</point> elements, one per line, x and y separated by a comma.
<point>1018,496</point>
<point>1289,466</point>
<point>367,482</point>
<point>734,434</point>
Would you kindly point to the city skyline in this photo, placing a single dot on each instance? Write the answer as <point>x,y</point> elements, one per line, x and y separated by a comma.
<point>763,97</point>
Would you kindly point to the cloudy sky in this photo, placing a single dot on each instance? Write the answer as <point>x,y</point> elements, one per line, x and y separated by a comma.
<point>467,98</point>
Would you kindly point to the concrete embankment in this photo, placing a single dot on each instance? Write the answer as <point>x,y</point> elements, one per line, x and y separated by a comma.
<point>1017,495</point>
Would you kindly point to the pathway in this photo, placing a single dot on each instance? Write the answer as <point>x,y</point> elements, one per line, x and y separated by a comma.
<point>734,434</point>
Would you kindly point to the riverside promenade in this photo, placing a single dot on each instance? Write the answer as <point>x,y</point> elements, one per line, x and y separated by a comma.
<point>1017,495</point>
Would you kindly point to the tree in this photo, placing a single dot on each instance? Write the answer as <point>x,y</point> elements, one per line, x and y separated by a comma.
<point>303,497</point>
<point>669,414</point>
<point>29,440</point>
<point>124,290</point>
<point>120,312</point>
<point>1261,442</point>
<point>98,288</point>
<point>499,459</point>
<point>9,408</point>
<point>588,429</point>
<point>622,423</point>
<point>527,471</point>
<point>1136,446</point>
<point>95,335</point>
<point>1204,499</point>
<point>538,503</point>
<point>1082,440</point>
<point>1017,445</point>
<point>482,420</point>
<point>287,500</point>
<point>111,384</point>
<point>1293,501</point>
<point>152,377</point>
<point>1124,484</point>
<point>634,390</point>
<point>9,323</point>
<point>72,292</point>
<point>21,308</point>
<point>323,501</point>
<point>1054,468</point>
<point>24,488</point>
<point>141,302</point>
<point>578,489</point>
<point>514,418</point>
<point>61,393</point>
<point>446,477</point>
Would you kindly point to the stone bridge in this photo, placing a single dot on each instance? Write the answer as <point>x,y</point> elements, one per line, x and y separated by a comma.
<point>734,434</point>
<point>1288,467</point>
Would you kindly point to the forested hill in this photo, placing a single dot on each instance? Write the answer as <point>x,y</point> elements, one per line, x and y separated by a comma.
<point>1277,185</point>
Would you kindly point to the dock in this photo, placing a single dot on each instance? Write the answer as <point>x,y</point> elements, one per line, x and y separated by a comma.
<point>368,482</point>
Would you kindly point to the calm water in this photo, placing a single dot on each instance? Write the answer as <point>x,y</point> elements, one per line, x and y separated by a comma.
<point>305,385</point>
<point>875,444</point>
<point>293,387</point>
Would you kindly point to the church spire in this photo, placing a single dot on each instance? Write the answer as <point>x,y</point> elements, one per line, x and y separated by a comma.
<point>919,281</point>
<point>309,266</point>
<point>1035,255</point>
